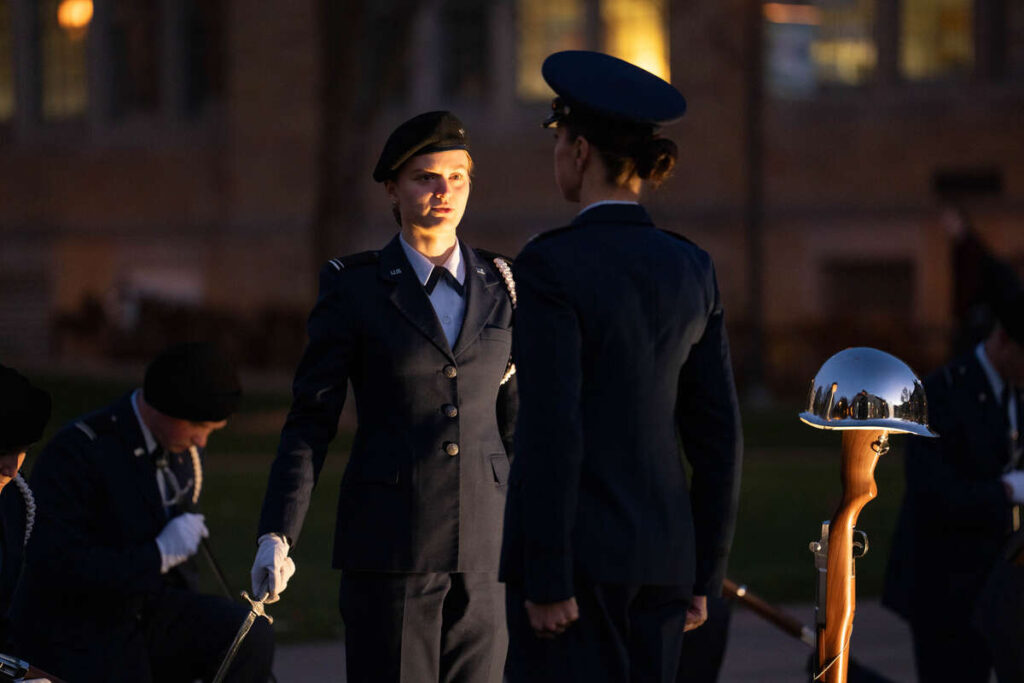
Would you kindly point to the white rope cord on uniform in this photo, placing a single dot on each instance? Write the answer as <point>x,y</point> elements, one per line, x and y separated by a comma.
<point>197,471</point>
<point>30,505</point>
<point>510,284</point>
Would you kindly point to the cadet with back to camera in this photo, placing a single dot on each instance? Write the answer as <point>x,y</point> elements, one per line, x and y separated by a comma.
<point>621,351</point>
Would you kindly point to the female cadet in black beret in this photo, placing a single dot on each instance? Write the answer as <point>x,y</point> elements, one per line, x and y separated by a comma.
<point>622,353</point>
<point>421,328</point>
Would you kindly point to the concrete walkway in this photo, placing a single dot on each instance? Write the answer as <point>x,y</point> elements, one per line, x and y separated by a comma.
<point>758,652</point>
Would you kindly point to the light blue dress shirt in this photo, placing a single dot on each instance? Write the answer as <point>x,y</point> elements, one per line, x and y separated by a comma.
<point>449,305</point>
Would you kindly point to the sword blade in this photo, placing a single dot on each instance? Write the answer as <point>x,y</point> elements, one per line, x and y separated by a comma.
<point>243,631</point>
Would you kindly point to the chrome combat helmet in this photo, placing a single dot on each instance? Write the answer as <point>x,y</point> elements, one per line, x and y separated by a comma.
<point>864,388</point>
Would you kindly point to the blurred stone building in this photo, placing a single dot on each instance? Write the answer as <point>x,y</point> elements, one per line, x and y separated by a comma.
<point>162,162</point>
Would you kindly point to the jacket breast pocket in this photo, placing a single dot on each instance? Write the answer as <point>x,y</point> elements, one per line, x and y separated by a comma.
<point>500,466</point>
<point>496,334</point>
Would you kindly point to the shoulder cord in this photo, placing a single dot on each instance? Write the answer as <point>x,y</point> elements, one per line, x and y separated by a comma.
<point>506,274</point>
<point>197,470</point>
<point>30,505</point>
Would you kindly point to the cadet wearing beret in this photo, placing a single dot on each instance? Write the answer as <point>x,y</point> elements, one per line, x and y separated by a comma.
<point>109,587</point>
<point>421,328</point>
<point>24,412</point>
<point>622,354</point>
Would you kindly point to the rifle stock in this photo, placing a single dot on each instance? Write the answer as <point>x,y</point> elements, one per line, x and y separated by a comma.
<point>783,620</point>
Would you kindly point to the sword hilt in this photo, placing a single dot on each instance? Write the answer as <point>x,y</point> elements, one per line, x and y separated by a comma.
<point>257,606</point>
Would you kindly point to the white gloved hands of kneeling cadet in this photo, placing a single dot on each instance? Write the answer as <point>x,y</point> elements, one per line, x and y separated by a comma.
<point>180,539</point>
<point>1014,483</point>
<point>272,568</point>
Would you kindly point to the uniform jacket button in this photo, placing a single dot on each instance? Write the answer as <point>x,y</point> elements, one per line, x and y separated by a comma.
<point>450,371</point>
<point>450,410</point>
<point>451,448</point>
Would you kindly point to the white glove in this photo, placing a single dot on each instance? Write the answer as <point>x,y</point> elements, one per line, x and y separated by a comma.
<point>272,568</point>
<point>179,539</point>
<point>1014,482</point>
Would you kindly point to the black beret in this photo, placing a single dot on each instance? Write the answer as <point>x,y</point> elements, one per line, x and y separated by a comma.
<point>1010,312</point>
<point>24,411</point>
<point>435,131</point>
<point>606,86</point>
<point>193,381</point>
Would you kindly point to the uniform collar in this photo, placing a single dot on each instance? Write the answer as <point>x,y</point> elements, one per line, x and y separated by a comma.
<point>994,379</point>
<point>151,443</point>
<point>422,266</point>
<point>610,211</point>
<point>608,202</point>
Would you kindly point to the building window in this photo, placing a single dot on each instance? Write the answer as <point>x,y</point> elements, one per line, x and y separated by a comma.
<point>830,42</point>
<point>204,55</point>
<point>6,63</point>
<point>63,32</point>
<point>465,69</point>
<point>635,30</point>
<point>545,26</point>
<point>135,47</point>
<point>936,39</point>
<point>870,289</point>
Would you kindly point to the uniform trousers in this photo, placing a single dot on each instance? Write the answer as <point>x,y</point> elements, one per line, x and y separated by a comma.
<point>704,648</point>
<point>946,651</point>
<point>178,635</point>
<point>423,627</point>
<point>625,634</point>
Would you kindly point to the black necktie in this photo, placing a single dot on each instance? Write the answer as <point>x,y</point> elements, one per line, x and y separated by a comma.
<point>438,274</point>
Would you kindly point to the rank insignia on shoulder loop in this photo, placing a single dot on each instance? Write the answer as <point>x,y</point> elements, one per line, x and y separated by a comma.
<point>396,271</point>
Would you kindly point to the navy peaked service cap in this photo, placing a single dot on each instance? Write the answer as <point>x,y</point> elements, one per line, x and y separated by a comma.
<point>593,83</point>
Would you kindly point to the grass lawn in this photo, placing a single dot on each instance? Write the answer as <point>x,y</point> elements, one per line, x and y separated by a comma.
<point>790,485</point>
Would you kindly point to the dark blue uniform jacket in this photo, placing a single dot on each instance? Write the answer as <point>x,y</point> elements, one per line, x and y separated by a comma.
<point>92,560</point>
<point>622,355</point>
<point>424,489</point>
<point>12,538</point>
<point>955,516</point>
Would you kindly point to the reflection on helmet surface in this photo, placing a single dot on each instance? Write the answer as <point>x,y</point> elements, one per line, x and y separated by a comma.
<point>864,388</point>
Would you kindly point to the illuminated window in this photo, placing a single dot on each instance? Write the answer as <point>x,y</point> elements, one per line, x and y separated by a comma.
<point>6,63</point>
<point>545,26</point>
<point>136,56</point>
<point>635,30</point>
<point>936,38</point>
<point>62,46</point>
<point>825,42</point>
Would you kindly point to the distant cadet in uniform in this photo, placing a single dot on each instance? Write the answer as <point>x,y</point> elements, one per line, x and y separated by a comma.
<point>109,589</point>
<point>621,352</point>
<point>422,329</point>
<point>964,493</point>
<point>24,412</point>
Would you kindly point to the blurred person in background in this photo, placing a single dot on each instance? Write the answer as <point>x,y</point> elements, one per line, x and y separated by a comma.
<point>979,279</point>
<point>109,589</point>
<point>422,329</point>
<point>964,493</point>
<point>24,412</point>
<point>609,554</point>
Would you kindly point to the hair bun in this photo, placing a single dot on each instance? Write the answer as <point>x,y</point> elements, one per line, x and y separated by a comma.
<point>656,160</point>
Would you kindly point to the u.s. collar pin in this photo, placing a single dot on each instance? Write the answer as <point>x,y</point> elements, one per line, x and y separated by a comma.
<point>396,271</point>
